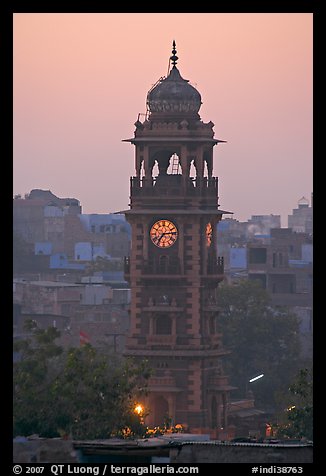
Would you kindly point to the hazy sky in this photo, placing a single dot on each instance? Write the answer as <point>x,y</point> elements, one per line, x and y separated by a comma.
<point>80,80</point>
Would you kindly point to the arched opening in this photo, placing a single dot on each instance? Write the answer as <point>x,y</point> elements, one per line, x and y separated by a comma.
<point>208,163</point>
<point>160,411</point>
<point>155,169</point>
<point>163,325</point>
<point>212,325</point>
<point>174,167</point>
<point>161,158</point>
<point>163,263</point>
<point>205,169</point>
<point>142,170</point>
<point>193,172</point>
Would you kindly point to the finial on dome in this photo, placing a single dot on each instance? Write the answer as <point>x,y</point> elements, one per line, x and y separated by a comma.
<point>174,58</point>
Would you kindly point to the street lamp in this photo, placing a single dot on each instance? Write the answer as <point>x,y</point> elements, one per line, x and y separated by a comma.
<point>253,379</point>
<point>139,409</point>
<point>256,378</point>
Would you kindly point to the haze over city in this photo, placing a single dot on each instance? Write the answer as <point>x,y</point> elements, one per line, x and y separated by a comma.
<point>81,79</point>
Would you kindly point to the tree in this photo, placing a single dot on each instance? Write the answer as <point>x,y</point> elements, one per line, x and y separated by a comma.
<point>104,264</point>
<point>80,391</point>
<point>296,421</point>
<point>261,338</point>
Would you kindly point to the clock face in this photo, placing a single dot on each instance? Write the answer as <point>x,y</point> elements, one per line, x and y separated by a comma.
<point>164,233</point>
<point>209,233</point>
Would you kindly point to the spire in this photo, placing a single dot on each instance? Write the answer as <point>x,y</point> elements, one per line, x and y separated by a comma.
<point>174,58</point>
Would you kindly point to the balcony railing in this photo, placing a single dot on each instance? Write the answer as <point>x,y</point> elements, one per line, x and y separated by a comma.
<point>161,339</point>
<point>215,266</point>
<point>171,266</point>
<point>173,185</point>
<point>161,381</point>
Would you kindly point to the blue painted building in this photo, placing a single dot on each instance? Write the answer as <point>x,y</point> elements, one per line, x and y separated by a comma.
<point>43,248</point>
<point>105,223</point>
<point>238,258</point>
<point>60,261</point>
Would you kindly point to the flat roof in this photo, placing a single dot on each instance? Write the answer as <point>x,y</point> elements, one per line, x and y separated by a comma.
<point>156,139</point>
<point>54,284</point>
<point>160,211</point>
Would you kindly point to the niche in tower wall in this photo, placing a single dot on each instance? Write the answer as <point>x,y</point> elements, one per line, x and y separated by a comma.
<point>162,324</point>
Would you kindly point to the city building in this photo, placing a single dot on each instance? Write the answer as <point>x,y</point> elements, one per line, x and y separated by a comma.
<point>94,311</point>
<point>301,219</point>
<point>174,269</point>
<point>114,230</point>
<point>284,267</point>
<point>262,224</point>
<point>47,297</point>
<point>59,236</point>
<point>280,258</point>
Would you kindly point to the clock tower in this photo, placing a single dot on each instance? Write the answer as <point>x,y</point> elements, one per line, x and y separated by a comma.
<point>174,269</point>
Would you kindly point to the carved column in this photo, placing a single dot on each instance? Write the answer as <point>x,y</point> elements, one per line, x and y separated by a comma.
<point>181,246</point>
<point>138,161</point>
<point>209,162</point>
<point>184,162</point>
<point>171,403</point>
<point>145,238</point>
<point>199,162</point>
<point>147,169</point>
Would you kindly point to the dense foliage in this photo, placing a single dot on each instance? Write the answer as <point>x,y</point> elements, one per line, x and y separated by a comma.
<point>297,418</point>
<point>262,340</point>
<point>78,392</point>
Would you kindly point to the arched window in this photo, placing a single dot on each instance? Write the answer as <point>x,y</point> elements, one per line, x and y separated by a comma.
<point>213,325</point>
<point>160,410</point>
<point>163,324</point>
<point>155,169</point>
<point>163,263</point>
<point>174,165</point>
<point>193,172</point>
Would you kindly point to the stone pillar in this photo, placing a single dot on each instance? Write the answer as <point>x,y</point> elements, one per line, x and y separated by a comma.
<point>151,324</point>
<point>184,162</point>
<point>147,168</point>
<point>146,238</point>
<point>199,162</point>
<point>181,246</point>
<point>224,409</point>
<point>219,419</point>
<point>171,403</point>
<point>214,222</point>
<point>138,161</point>
<point>209,162</point>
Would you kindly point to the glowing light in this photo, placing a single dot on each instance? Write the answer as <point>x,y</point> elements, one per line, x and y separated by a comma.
<point>139,409</point>
<point>256,378</point>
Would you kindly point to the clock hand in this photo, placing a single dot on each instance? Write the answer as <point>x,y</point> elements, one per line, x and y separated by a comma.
<point>166,233</point>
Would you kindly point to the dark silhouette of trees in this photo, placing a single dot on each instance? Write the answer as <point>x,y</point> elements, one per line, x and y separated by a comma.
<point>78,392</point>
<point>296,420</point>
<point>262,339</point>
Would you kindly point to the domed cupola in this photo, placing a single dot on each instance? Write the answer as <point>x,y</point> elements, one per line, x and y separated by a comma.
<point>173,96</point>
